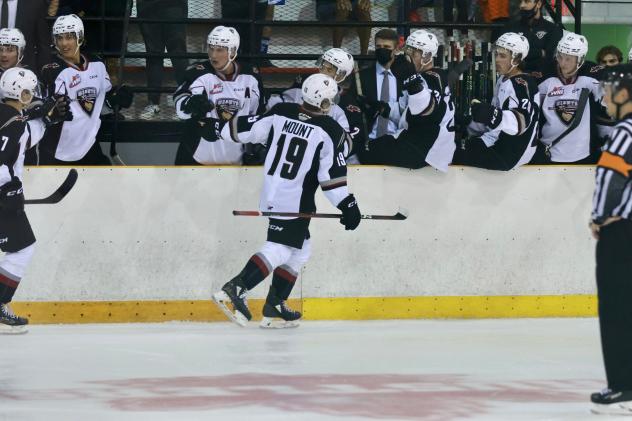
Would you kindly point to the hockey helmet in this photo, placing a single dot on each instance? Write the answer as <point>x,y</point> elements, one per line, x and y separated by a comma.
<point>424,41</point>
<point>227,37</point>
<point>517,44</point>
<point>15,81</point>
<point>340,59</point>
<point>573,44</point>
<point>69,24</point>
<point>13,37</point>
<point>319,90</point>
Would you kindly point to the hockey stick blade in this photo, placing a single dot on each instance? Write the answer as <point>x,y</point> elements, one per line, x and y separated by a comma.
<point>401,215</point>
<point>58,194</point>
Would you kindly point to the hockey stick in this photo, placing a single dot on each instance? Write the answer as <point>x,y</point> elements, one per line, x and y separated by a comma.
<point>358,84</point>
<point>116,159</point>
<point>399,216</point>
<point>58,194</point>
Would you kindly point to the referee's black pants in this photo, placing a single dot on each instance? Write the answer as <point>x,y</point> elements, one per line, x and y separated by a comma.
<point>614,292</point>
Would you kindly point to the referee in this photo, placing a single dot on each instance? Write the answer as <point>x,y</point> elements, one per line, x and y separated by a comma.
<point>611,225</point>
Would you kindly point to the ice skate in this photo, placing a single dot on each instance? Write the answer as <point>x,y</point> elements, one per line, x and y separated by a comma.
<point>10,323</point>
<point>610,402</point>
<point>234,292</point>
<point>277,315</point>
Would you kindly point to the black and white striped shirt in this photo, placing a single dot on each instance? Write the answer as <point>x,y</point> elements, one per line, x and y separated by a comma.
<point>613,191</point>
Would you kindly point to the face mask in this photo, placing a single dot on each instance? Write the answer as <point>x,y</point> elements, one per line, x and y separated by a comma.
<point>383,55</point>
<point>527,14</point>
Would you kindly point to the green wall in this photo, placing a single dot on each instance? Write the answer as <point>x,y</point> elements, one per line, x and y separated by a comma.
<point>600,35</point>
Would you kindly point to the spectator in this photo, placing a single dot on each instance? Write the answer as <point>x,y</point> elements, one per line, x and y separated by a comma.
<point>161,36</point>
<point>381,88</point>
<point>29,16</point>
<point>240,9</point>
<point>343,10</point>
<point>542,35</point>
<point>494,11</point>
<point>609,56</point>
<point>462,7</point>
<point>267,31</point>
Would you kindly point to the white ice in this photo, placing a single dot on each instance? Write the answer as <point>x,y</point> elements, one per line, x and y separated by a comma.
<point>527,369</point>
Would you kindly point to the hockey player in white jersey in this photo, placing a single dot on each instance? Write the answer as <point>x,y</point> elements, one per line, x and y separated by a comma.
<point>12,44</point>
<point>86,82</point>
<point>572,84</point>
<point>426,134</point>
<point>336,63</point>
<point>17,134</point>
<point>222,88</point>
<point>305,151</point>
<point>503,134</point>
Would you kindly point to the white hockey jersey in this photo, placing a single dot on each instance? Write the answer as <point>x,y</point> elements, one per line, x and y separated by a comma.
<point>242,95</point>
<point>559,104</point>
<point>86,85</point>
<point>304,152</point>
<point>516,137</point>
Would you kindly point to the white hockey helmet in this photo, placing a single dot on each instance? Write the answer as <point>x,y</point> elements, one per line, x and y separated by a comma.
<point>573,44</point>
<point>319,90</point>
<point>69,24</point>
<point>517,44</point>
<point>341,60</point>
<point>225,36</point>
<point>14,37</point>
<point>424,41</point>
<point>15,81</point>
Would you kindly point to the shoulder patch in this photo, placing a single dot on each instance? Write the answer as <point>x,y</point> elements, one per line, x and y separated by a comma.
<point>597,68</point>
<point>521,81</point>
<point>353,108</point>
<point>52,65</point>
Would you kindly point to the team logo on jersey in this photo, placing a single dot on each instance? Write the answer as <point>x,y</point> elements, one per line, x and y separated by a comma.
<point>565,109</point>
<point>521,81</point>
<point>557,91</point>
<point>75,80</point>
<point>86,98</point>
<point>540,34</point>
<point>303,117</point>
<point>353,109</point>
<point>227,107</point>
<point>217,88</point>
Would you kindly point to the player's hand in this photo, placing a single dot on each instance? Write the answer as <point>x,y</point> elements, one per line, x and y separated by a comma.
<point>413,84</point>
<point>210,128</point>
<point>351,216</point>
<point>486,114</point>
<point>372,108</point>
<point>121,95</point>
<point>197,105</point>
<point>57,110</point>
<point>344,5</point>
<point>12,196</point>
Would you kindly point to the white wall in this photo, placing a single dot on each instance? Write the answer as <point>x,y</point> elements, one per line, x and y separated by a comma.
<point>168,233</point>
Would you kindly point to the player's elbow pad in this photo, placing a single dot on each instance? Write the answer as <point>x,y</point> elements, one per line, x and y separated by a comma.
<point>513,123</point>
<point>420,102</point>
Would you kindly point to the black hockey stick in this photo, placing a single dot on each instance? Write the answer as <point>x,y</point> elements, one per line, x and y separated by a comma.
<point>116,159</point>
<point>399,216</point>
<point>58,194</point>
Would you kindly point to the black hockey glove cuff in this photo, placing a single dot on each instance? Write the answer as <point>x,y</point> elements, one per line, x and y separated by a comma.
<point>351,216</point>
<point>372,108</point>
<point>197,106</point>
<point>12,196</point>
<point>413,84</point>
<point>486,114</point>
<point>210,128</point>
<point>121,96</point>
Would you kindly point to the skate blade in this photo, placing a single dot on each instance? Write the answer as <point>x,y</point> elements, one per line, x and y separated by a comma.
<point>220,299</point>
<point>12,330</point>
<point>272,323</point>
<point>612,409</point>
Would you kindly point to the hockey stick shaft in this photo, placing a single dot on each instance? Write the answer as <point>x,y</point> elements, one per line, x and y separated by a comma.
<point>116,159</point>
<point>58,194</point>
<point>399,216</point>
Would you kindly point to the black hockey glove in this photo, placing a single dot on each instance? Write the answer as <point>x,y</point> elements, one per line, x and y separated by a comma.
<point>486,114</point>
<point>197,106</point>
<point>372,108</point>
<point>351,216</point>
<point>57,110</point>
<point>210,128</point>
<point>413,84</point>
<point>121,96</point>
<point>12,196</point>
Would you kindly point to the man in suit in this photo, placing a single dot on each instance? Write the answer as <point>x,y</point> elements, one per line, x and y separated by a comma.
<point>381,87</point>
<point>29,16</point>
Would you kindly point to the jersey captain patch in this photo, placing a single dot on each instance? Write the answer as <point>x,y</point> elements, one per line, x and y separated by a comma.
<point>86,98</point>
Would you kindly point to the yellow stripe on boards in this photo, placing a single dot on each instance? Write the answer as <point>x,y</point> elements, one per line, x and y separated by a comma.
<point>360,308</point>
